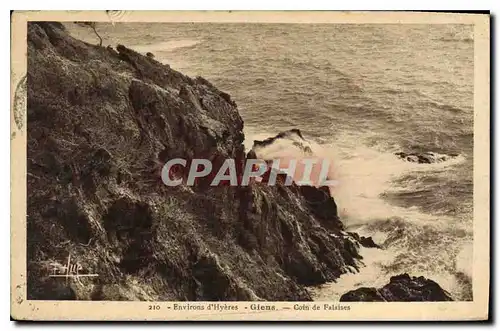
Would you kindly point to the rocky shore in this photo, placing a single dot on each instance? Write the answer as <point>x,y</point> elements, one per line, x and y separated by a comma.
<point>102,121</point>
<point>400,288</point>
<point>425,157</point>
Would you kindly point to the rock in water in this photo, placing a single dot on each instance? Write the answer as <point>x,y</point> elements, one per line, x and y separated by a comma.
<point>400,288</point>
<point>366,294</point>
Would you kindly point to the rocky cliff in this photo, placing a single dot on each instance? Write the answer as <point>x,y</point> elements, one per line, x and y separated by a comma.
<point>101,124</point>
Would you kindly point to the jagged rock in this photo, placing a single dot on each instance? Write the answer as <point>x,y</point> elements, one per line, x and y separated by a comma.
<point>101,125</point>
<point>427,157</point>
<point>251,155</point>
<point>150,55</point>
<point>400,288</point>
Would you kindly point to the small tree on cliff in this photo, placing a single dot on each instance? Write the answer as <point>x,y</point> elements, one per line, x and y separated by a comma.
<point>92,25</point>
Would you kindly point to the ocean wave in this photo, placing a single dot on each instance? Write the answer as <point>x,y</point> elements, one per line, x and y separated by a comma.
<point>369,275</point>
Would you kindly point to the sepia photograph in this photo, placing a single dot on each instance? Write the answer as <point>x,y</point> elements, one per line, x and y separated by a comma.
<point>251,166</point>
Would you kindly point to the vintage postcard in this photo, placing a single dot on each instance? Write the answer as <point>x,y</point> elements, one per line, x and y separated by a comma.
<point>248,166</point>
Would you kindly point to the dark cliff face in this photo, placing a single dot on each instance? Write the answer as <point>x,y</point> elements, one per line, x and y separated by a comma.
<point>400,288</point>
<point>101,124</point>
